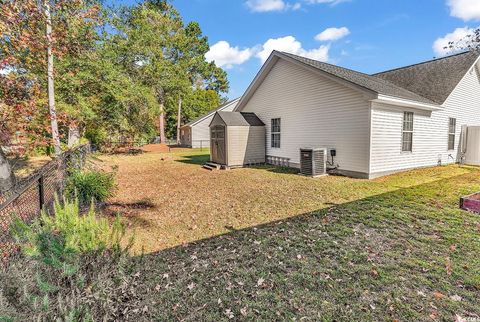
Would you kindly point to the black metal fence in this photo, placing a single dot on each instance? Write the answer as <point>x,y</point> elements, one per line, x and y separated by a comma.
<point>36,192</point>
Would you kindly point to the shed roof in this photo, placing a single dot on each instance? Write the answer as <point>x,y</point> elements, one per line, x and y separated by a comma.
<point>240,119</point>
<point>435,79</point>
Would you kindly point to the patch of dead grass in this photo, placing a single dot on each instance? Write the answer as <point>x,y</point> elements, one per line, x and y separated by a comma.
<point>188,203</point>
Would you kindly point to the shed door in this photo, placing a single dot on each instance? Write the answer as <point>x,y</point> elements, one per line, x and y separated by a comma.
<point>217,148</point>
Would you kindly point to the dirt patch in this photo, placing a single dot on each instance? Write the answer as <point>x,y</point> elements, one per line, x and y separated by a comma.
<point>156,148</point>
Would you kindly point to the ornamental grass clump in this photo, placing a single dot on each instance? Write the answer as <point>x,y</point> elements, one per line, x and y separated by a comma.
<point>90,186</point>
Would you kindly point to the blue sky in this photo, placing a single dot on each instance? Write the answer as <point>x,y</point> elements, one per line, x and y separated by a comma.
<point>365,35</point>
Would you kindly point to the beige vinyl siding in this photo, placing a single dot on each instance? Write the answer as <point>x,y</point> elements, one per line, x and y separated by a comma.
<point>430,135</point>
<point>201,134</point>
<point>185,139</point>
<point>245,145</point>
<point>315,112</point>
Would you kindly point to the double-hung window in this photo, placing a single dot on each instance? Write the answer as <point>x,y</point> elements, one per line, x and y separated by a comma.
<point>452,126</point>
<point>276,127</point>
<point>407,132</point>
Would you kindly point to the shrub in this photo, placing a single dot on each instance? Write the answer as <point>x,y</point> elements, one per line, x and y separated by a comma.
<point>73,269</point>
<point>79,233</point>
<point>90,185</point>
<point>96,136</point>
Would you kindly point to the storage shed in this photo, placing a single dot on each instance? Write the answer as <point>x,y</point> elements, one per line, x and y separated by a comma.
<point>237,139</point>
<point>472,155</point>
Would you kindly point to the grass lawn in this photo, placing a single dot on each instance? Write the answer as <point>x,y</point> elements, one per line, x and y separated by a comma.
<point>23,166</point>
<point>266,244</point>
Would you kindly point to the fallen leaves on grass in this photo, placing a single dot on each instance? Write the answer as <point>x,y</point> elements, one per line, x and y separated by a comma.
<point>449,266</point>
<point>438,295</point>
<point>290,264</point>
<point>175,202</point>
<point>260,282</point>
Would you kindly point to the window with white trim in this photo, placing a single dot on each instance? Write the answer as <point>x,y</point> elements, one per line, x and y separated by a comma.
<point>452,126</point>
<point>407,132</point>
<point>276,128</point>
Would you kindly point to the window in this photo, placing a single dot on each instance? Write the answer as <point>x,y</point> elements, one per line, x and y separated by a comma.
<point>452,125</point>
<point>407,132</point>
<point>275,133</point>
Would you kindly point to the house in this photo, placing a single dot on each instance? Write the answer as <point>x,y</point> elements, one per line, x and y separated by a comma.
<point>410,117</point>
<point>196,134</point>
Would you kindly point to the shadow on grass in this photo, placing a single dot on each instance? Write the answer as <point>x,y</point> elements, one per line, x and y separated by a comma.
<point>347,262</point>
<point>143,204</point>
<point>128,212</point>
<point>199,159</point>
<point>277,169</point>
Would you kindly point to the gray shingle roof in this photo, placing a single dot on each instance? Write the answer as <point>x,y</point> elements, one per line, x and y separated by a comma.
<point>220,108</point>
<point>435,79</point>
<point>240,119</point>
<point>372,83</point>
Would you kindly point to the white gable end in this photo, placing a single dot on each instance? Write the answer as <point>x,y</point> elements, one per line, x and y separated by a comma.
<point>315,112</point>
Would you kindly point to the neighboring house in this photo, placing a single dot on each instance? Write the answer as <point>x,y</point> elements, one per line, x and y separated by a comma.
<point>196,134</point>
<point>378,124</point>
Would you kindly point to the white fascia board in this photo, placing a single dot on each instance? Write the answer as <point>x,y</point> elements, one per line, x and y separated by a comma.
<point>213,112</point>
<point>406,103</point>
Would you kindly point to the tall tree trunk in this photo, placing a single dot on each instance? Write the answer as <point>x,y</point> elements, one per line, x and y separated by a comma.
<point>51,90</point>
<point>7,178</point>
<point>160,93</point>
<point>179,119</point>
<point>162,124</point>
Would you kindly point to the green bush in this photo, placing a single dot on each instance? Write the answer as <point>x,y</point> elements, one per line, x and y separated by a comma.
<point>90,185</point>
<point>73,268</point>
<point>96,136</point>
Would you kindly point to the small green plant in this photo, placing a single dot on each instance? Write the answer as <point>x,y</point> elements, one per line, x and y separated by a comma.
<point>73,268</point>
<point>90,185</point>
<point>78,233</point>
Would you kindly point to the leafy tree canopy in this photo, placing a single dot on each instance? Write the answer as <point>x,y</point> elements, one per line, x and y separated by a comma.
<point>117,71</point>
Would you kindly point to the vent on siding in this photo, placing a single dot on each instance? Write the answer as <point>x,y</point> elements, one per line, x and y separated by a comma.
<point>313,162</point>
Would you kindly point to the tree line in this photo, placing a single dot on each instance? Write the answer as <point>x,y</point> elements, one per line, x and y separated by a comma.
<point>123,73</point>
<point>118,72</point>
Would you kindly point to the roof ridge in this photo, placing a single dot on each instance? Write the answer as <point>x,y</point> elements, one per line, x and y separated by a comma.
<point>322,62</point>
<point>424,62</point>
<point>201,117</point>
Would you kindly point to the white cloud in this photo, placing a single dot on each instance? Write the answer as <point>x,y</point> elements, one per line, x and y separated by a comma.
<point>331,2</point>
<point>465,9</point>
<point>226,56</point>
<point>283,5</point>
<point>272,5</point>
<point>290,45</point>
<point>266,5</point>
<point>332,34</point>
<point>296,6</point>
<point>459,36</point>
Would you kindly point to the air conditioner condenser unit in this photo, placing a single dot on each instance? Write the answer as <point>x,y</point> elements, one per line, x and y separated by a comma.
<point>313,162</point>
